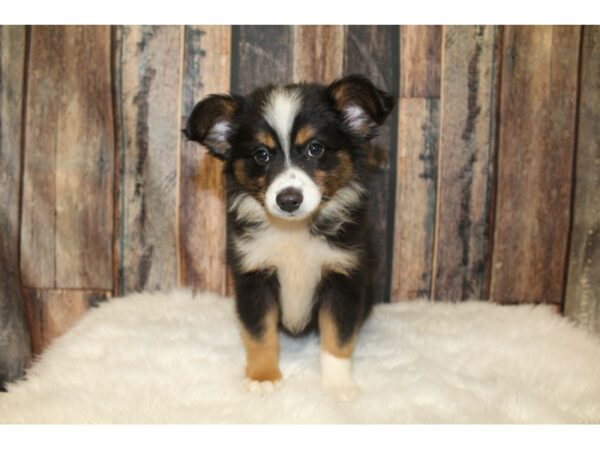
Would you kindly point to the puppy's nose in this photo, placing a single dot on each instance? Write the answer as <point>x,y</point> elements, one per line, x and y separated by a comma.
<point>289,199</point>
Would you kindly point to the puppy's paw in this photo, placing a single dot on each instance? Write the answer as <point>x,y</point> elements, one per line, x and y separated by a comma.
<point>345,391</point>
<point>336,376</point>
<point>261,387</point>
<point>262,380</point>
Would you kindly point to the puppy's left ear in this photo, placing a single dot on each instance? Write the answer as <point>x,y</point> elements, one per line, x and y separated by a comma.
<point>363,106</point>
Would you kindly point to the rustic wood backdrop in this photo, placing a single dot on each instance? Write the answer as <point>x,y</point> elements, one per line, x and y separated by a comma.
<point>486,179</point>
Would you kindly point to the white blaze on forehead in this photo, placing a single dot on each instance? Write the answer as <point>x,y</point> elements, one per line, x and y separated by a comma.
<point>280,111</point>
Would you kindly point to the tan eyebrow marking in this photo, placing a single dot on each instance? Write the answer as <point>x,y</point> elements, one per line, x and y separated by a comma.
<point>304,134</point>
<point>266,139</point>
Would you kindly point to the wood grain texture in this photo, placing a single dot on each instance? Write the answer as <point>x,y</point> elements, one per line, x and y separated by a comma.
<point>416,176</point>
<point>536,144</point>
<point>148,73</point>
<point>373,52</point>
<point>420,60</point>
<point>582,302</point>
<point>207,58</point>
<point>69,152</point>
<point>262,54</point>
<point>15,346</point>
<point>318,53</point>
<point>52,312</point>
<point>466,158</point>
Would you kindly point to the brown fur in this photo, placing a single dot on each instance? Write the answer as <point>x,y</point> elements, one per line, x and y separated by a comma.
<point>239,171</point>
<point>252,185</point>
<point>345,94</point>
<point>330,341</point>
<point>262,355</point>
<point>304,134</point>
<point>330,181</point>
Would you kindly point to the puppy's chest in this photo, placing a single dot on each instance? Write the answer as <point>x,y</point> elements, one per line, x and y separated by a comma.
<point>299,259</point>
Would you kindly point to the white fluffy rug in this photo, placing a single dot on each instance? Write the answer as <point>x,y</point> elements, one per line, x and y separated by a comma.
<point>151,358</point>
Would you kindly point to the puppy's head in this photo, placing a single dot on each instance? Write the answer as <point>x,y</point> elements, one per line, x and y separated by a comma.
<point>292,147</point>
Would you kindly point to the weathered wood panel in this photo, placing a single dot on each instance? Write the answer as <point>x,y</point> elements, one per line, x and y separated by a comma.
<point>53,312</point>
<point>420,60</point>
<point>430,219</point>
<point>466,157</point>
<point>69,148</point>
<point>148,66</point>
<point>582,301</point>
<point>536,144</point>
<point>207,57</point>
<point>416,173</point>
<point>261,55</point>
<point>318,53</point>
<point>373,51</point>
<point>415,198</point>
<point>15,346</point>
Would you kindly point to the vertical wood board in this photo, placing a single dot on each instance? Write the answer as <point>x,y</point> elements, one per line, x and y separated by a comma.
<point>415,198</point>
<point>318,53</point>
<point>15,346</point>
<point>262,55</point>
<point>148,72</point>
<point>466,157</point>
<point>536,144</point>
<point>582,302</point>
<point>207,60</point>
<point>68,168</point>
<point>420,61</point>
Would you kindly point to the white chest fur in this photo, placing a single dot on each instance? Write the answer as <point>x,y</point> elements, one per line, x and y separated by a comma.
<point>299,259</point>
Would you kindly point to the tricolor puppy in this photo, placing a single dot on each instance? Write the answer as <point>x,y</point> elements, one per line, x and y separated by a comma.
<point>295,168</point>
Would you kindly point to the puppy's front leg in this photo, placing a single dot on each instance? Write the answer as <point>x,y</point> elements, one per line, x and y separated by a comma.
<point>340,317</point>
<point>259,315</point>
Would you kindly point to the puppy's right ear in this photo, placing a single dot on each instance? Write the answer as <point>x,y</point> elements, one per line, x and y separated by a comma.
<point>210,123</point>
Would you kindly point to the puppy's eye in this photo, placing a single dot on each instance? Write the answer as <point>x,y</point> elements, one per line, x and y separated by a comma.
<point>262,156</point>
<point>315,149</point>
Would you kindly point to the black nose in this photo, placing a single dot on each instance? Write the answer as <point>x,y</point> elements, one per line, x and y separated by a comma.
<point>289,199</point>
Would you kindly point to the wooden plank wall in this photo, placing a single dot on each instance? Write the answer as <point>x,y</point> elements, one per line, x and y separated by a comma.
<point>583,289</point>
<point>417,161</point>
<point>469,87</point>
<point>207,69</point>
<point>147,69</point>
<point>67,212</point>
<point>483,181</point>
<point>535,156</point>
<point>15,347</point>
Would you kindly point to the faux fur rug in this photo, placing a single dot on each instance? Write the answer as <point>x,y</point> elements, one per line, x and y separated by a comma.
<point>150,358</point>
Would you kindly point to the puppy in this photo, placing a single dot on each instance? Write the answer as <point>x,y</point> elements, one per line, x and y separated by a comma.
<point>295,166</point>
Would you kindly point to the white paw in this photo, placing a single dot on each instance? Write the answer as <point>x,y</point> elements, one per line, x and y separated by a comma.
<point>336,376</point>
<point>345,391</point>
<point>261,387</point>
